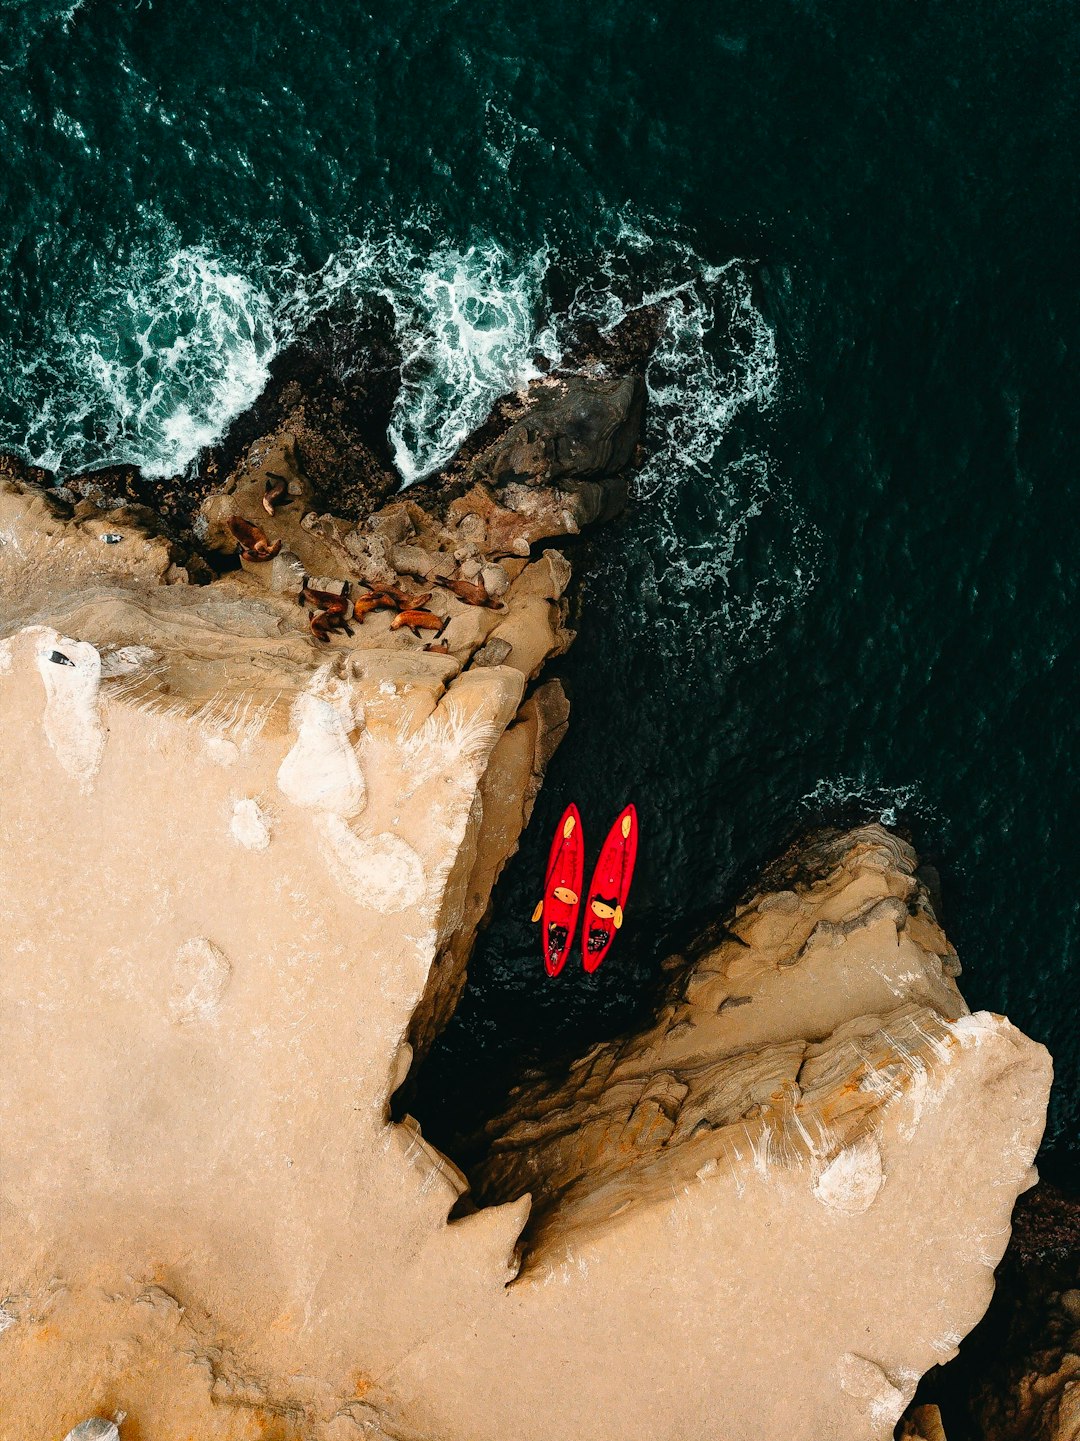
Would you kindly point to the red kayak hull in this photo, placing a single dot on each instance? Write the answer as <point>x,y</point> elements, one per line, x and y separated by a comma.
<point>605,899</point>
<point>562,891</point>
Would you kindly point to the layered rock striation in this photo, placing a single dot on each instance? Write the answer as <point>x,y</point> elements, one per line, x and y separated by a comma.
<point>245,853</point>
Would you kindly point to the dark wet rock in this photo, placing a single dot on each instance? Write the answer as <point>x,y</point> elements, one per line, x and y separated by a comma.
<point>578,428</point>
<point>624,348</point>
<point>558,462</point>
<point>342,376</point>
<point>1017,1377</point>
<point>339,471</point>
<point>13,467</point>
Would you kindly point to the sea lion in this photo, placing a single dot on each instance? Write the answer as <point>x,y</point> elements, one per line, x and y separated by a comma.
<point>472,592</point>
<point>400,598</point>
<point>330,611</point>
<point>367,603</point>
<point>326,600</point>
<point>254,543</point>
<point>323,622</point>
<point>277,487</point>
<point>418,620</point>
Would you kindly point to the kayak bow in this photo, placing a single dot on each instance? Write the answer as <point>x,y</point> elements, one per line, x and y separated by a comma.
<point>609,888</point>
<point>562,891</point>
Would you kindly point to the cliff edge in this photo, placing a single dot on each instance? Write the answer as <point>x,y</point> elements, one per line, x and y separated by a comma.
<point>247,843</point>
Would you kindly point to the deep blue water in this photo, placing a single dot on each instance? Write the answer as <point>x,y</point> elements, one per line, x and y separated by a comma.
<point>848,583</point>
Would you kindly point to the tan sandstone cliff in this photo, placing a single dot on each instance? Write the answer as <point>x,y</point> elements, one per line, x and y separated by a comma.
<point>241,871</point>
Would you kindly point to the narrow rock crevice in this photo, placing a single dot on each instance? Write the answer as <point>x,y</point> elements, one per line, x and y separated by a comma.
<point>746,1054</point>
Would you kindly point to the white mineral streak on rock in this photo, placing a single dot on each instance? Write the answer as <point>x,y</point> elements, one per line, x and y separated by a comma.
<point>851,1180</point>
<point>223,752</point>
<point>321,771</point>
<point>200,975</point>
<point>453,743</point>
<point>249,825</point>
<point>973,1030</point>
<point>126,660</point>
<point>919,1093</point>
<point>6,1319</point>
<point>7,651</point>
<point>866,1381</point>
<point>96,1429</point>
<point>382,872</point>
<point>72,719</point>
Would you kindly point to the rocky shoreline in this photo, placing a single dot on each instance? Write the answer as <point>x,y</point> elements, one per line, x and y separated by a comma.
<point>270,735</point>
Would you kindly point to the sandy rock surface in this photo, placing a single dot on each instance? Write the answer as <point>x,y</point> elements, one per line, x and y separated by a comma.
<point>242,867</point>
<point>1018,1376</point>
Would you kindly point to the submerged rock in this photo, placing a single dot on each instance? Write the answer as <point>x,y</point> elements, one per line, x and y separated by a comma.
<point>579,428</point>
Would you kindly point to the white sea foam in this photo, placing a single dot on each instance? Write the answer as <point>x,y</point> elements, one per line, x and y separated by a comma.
<point>179,340</point>
<point>698,513</point>
<point>694,393</point>
<point>465,322</point>
<point>466,340</point>
<point>151,367</point>
<point>862,793</point>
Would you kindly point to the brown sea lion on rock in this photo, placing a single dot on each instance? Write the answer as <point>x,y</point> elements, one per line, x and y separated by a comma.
<point>367,603</point>
<point>396,596</point>
<point>331,610</point>
<point>333,602</point>
<point>472,592</point>
<point>322,623</point>
<point>418,620</point>
<point>254,543</point>
<point>276,493</point>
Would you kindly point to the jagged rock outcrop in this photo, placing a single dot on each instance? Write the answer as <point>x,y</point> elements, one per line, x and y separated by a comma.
<point>1035,1395</point>
<point>1017,1377</point>
<point>747,1050</point>
<point>244,854</point>
<point>921,1423</point>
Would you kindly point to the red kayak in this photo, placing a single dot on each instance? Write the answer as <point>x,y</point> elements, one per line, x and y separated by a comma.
<point>608,889</point>
<point>562,891</point>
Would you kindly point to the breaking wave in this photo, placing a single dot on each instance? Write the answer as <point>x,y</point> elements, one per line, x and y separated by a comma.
<point>174,346</point>
<point>868,798</point>
<point>708,526</point>
<point>465,321</point>
<point>147,371</point>
<point>179,340</point>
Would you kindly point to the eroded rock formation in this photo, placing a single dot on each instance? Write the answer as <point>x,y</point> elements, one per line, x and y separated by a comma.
<point>921,1423</point>
<point>1017,1377</point>
<point>243,863</point>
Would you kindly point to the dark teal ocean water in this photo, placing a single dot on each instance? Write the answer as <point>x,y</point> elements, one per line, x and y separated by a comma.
<point>847,586</point>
